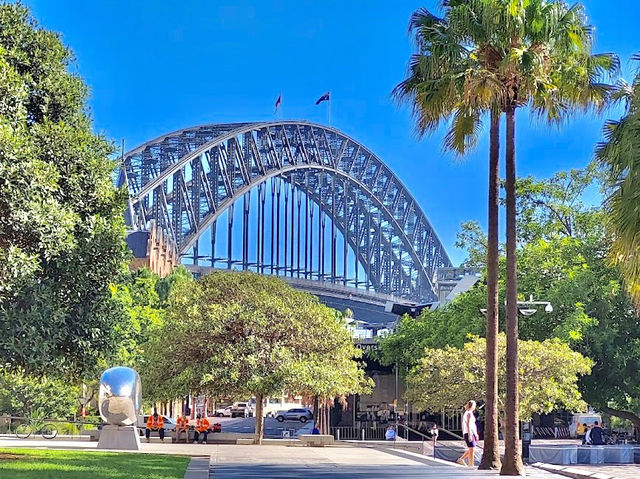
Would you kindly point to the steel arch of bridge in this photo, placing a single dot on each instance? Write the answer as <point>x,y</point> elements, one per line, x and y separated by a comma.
<point>185,180</point>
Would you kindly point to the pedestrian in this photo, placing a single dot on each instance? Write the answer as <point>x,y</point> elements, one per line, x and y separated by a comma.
<point>390,434</point>
<point>155,423</point>
<point>587,436</point>
<point>182,426</point>
<point>202,426</point>
<point>597,434</point>
<point>469,434</point>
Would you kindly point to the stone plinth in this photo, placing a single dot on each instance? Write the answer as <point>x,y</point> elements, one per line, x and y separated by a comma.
<point>119,437</point>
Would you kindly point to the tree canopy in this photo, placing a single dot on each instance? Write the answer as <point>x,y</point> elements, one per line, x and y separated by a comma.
<point>549,370</point>
<point>619,153</point>
<point>563,258</point>
<point>233,334</point>
<point>61,222</point>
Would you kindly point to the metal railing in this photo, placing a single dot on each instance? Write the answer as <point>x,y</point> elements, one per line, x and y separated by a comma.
<point>344,433</point>
<point>73,427</point>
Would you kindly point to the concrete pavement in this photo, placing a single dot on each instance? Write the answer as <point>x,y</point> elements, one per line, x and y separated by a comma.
<point>287,461</point>
<point>336,462</point>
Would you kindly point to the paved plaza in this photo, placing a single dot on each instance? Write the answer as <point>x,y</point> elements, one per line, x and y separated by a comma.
<point>236,462</point>
<point>228,461</point>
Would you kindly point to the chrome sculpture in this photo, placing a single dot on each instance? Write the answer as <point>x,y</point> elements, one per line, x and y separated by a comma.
<point>120,396</point>
<point>313,182</point>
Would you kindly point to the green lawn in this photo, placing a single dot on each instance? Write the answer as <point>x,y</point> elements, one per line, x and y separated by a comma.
<point>40,463</point>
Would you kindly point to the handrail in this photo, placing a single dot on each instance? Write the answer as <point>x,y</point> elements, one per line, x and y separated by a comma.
<point>415,431</point>
<point>434,438</point>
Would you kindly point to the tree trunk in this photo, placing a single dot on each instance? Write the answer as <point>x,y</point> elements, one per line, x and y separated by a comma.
<point>491,452</point>
<point>629,416</point>
<point>259,419</point>
<point>316,411</point>
<point>327,422</point>
<point>512,463</point>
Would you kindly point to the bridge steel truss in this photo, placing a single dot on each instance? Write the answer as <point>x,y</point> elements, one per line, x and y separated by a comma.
<point>306,177</point>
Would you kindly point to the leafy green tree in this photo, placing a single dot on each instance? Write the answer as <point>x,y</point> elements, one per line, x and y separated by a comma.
<point>449,377</point>
<point>451,325</point>
<point>61,222</point>
<point>23,395</point>
<point>233,334</point>
<point>591,310</point>
<point>139,302</point>
<point>472,238</point>
<point>619,154</point>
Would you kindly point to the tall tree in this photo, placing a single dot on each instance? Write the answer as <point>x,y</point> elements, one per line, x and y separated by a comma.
<point>539,55</point>
<point>619,152</point>
<point>61,225</point>
<point>448,80</point>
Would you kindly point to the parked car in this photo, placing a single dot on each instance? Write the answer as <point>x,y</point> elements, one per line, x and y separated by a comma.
<point>241,409</point>
<point>169,423</point>
<point>224,412</point>
<point>297,414</point>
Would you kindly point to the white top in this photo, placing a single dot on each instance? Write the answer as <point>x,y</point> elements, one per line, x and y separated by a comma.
<point>469,424</point>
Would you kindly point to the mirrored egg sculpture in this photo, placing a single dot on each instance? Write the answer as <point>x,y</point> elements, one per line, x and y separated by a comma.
<point>120,396</point>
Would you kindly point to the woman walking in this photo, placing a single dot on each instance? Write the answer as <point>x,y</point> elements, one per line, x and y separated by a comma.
<point>469,433</point>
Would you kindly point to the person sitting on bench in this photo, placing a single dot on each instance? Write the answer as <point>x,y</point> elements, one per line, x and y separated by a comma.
<point>182,426</point>
<point>155,423</point>
<point>597,435</point>
<point>202,426</point>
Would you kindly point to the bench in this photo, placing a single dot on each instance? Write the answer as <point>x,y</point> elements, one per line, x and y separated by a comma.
<point>245,441</point>
<point>316,440</point>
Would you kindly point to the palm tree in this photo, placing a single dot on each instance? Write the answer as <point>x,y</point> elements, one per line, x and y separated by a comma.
<point>488,55</point>
<point>619,153</point>
<point>543,60</point>
<point>449,81</point>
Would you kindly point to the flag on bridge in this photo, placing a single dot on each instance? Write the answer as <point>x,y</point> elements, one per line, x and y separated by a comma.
<point>325,97</point>
<point>278,101</point>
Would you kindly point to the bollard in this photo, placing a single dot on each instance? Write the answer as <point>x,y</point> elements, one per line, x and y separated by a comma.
<point>363,434</point>
<point>337,434</point>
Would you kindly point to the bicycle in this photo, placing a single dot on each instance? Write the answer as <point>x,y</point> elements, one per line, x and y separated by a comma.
<point>35,426</point>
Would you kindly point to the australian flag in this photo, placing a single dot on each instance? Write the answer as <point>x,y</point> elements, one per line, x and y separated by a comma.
<point>324,97</point>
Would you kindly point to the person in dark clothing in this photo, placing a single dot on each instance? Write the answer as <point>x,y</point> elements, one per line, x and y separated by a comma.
<point>597,435</point>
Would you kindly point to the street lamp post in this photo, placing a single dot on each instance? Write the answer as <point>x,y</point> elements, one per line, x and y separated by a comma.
<point>529,308</point>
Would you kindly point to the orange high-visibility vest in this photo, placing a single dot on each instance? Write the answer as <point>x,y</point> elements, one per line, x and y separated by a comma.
<point>155,422</point>
<point>202,425</point>
<point>182,423</point>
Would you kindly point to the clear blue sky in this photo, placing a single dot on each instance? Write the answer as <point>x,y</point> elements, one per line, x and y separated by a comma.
<point>156,66</point>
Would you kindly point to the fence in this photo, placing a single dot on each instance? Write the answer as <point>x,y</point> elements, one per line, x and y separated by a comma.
<point>8,424</point>
<point>548,432</point>
<point>358,433</point>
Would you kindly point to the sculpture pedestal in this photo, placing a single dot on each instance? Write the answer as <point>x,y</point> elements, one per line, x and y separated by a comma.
<point>119,437</point>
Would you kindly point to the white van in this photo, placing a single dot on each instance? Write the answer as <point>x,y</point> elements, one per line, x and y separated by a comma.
<point>576,429</point>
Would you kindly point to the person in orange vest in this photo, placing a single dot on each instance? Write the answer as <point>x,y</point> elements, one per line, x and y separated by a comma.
<point>182,426</point>
<point>202,426</point>
<point>155,423</point>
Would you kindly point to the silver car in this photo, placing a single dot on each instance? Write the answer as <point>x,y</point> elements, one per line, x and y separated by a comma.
<point>297,414</point>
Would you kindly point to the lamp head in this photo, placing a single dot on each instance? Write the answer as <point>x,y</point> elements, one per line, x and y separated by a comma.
<point>548,308</point>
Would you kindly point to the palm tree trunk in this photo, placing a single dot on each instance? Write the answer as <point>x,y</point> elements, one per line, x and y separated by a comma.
<point>259,432</point>
<point>512,464</point>
<point>491,452</point>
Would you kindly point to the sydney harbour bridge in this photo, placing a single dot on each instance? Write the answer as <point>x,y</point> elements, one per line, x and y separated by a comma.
<point>289,198</point>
